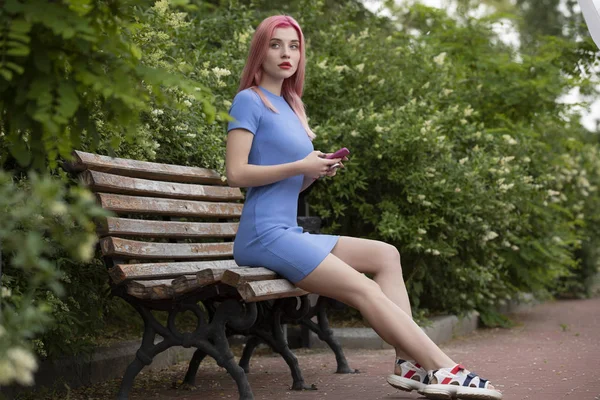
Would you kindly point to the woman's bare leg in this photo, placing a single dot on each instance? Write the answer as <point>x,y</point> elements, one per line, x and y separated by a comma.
<point>336,279</point>
<point>383,261</point>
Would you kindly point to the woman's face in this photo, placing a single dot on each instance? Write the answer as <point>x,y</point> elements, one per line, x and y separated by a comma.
<point>283,55</point>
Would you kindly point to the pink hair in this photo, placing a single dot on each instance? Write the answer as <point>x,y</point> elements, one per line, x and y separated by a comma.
<point>293,86</point>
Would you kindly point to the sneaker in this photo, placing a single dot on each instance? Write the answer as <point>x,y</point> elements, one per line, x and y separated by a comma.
<point>408,376</point>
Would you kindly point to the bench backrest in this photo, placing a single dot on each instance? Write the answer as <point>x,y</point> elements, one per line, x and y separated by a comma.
<point>173,230</point>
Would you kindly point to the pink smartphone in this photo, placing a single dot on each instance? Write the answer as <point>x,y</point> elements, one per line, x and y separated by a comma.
<point>341,153</point>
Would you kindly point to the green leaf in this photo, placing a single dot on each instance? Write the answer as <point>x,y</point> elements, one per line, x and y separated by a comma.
<point>6,74</point>
<point>20,26</point>
<point>19,36</point>
<point>18,51</point>
<point>15,67</point>
<point>18,149</point>
<point>136,51</point>
<point>68,33</point>
<point>68,101</point>
<point>40,89</point>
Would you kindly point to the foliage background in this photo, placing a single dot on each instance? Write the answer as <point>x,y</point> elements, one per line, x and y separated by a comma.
<point>462,157</point>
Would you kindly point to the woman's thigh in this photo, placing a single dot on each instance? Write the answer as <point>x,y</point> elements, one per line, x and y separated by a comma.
<point>366,255</point>
<point>336,279</point>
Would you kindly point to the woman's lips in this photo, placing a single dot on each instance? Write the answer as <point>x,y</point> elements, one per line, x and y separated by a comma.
<point>285,66</point>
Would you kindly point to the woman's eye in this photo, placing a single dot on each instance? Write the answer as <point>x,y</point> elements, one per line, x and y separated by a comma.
<point>294,46</point>
<point>274,45</point>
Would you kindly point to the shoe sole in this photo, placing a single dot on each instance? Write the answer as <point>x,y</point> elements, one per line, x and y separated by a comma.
<point>408,385</point>
<point>459,392</point>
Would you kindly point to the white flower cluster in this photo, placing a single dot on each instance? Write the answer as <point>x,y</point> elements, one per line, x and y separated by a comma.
<point>509,139</point>
<point>430,172</point>
<point>432,251</point>
<point>490,235</point>
<point>220,72</point>
<point>440,58</point>
<point>181,127</point>
<point>506,186</point>
<point>161,7</point>
<point>19,365</point>
<point>552,193</point>
<point>86,248</point>
<point>242,38</point>
<point>177,20</point>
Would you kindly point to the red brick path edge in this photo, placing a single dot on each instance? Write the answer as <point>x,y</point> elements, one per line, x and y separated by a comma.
<point>553,354</point>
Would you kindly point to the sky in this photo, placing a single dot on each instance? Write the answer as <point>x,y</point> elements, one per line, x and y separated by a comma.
<point>508,34</point>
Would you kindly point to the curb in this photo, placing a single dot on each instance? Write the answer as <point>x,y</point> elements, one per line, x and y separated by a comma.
<point>441,329</point>
<point>111,362</point>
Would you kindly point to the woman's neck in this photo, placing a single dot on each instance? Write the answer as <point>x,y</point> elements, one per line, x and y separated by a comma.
<point>273,86</point>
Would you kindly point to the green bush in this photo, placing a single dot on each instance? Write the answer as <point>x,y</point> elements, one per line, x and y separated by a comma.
<point>71,77</point>
<point>459,154</point>
<point>41,221</point>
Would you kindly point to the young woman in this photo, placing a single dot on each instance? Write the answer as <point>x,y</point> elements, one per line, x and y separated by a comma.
<point>270,151</point>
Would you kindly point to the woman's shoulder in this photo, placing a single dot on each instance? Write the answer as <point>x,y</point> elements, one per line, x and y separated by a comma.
<point>247,96</point>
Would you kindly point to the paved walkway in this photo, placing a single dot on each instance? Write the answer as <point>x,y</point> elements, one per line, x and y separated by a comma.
<point>553,354</point>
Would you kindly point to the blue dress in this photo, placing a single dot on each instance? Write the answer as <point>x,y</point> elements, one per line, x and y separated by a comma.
<point>268,235</point>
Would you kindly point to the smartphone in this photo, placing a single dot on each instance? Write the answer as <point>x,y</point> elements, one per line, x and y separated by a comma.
<point>341,153</point>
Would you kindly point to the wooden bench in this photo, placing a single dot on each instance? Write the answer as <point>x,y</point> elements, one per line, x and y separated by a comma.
<point>169,247</point>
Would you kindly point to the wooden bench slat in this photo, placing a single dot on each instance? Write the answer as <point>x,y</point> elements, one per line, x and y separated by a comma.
<point>239,276</point>
<point>184,284</point>
<point>162,289</point>
<point>115,226</point>
<point>124,248</point>
<point>268,290</point>
<point>121,203</point>
<point>126,272</point>
<point>151,290</point>
<point>103,182</point>
<point>144,169</point>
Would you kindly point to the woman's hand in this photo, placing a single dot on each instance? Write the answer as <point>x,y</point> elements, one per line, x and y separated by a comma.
<point>315,165</point>
<point>333,171</point>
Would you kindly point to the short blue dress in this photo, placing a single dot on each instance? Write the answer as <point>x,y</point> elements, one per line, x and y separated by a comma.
<point>268,235</point>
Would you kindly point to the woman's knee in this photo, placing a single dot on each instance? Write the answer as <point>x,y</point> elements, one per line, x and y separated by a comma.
<point>367,290</point>
<point>390,258</point>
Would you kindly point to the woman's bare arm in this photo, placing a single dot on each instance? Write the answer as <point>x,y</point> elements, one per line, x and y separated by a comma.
<point>242,174</point>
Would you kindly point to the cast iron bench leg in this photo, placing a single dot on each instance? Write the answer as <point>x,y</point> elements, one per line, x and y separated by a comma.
<point>269,330</point>
<point>251,344</point>
<point>325,333</point>
<point>208,338</point>
<point>190,376</point>
<point>147,351</point>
